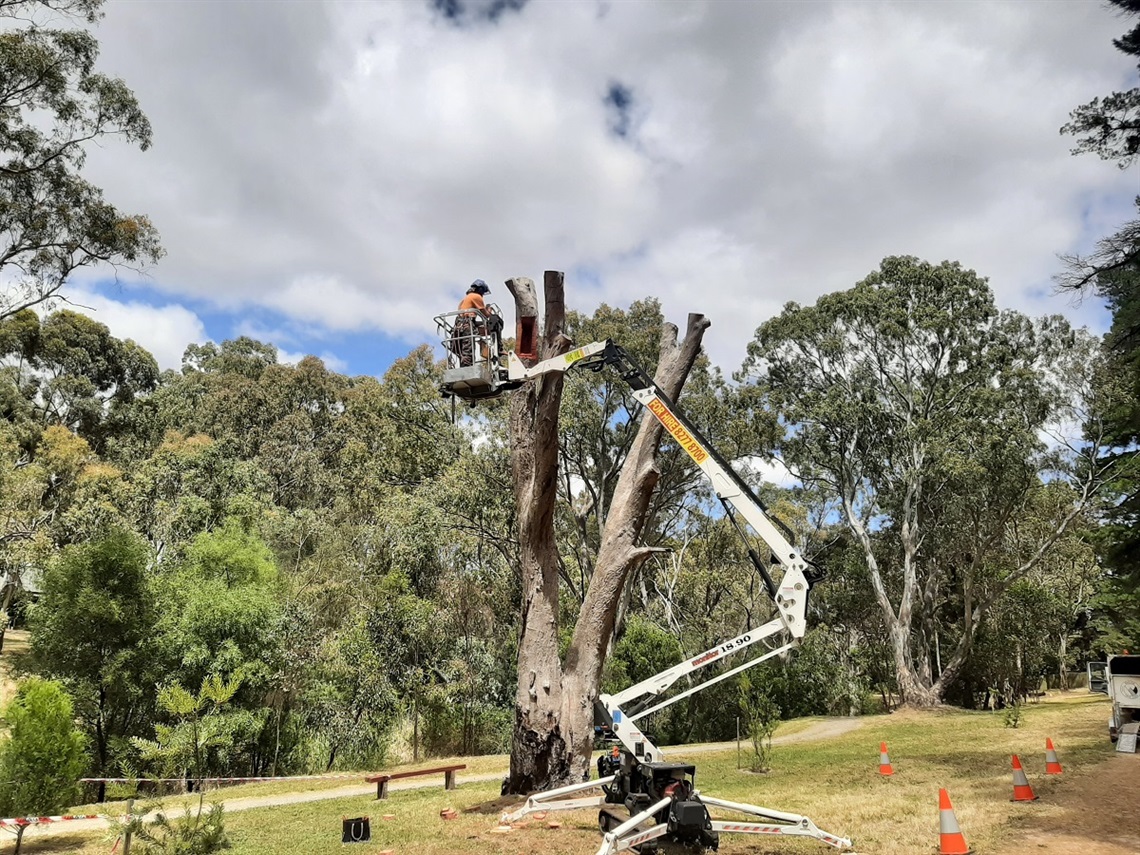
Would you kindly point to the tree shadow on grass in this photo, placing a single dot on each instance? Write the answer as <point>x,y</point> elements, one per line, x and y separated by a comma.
<point>494,806</point>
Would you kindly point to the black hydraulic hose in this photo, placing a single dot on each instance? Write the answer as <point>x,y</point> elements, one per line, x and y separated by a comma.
<point>756,562</point>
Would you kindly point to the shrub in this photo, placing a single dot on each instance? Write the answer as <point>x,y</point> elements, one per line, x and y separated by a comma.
<point>1013,714</point>
<point>459,729</point>
<point>190,834</point>
<point>43,757</point>
<point>760,716</point>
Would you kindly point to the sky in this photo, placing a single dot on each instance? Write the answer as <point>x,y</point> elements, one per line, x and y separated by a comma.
<point>329,176</point>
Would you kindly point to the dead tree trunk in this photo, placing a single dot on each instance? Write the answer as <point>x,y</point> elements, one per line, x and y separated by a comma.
<point>554,704</point>
<point>538,748</point>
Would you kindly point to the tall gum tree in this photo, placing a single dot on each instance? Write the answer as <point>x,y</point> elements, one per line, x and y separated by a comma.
<point>554,703</point>
<point>921,407</point>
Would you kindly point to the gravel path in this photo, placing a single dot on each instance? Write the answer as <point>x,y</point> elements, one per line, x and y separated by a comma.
<point>827,729</point>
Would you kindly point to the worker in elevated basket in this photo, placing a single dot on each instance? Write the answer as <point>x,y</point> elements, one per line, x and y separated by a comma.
<point>476,318</point>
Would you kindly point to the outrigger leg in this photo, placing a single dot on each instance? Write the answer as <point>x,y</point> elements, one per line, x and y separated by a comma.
<point>554,799</point>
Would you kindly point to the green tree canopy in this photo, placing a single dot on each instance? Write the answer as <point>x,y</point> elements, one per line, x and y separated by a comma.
<point>69,370</point>
<point>1110,128</point>
<point>917,404</point>
<point>53,103</point>
<point>93,629</point>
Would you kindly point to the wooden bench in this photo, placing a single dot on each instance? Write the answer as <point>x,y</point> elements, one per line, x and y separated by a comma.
<point>381,781</point>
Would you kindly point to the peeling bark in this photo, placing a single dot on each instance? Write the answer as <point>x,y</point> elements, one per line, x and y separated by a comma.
<point>554,703</point>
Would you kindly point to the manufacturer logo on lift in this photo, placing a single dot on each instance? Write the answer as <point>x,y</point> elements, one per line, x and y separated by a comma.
<point>674,426</point>
<point>707,657</point>
<point>727,647</point>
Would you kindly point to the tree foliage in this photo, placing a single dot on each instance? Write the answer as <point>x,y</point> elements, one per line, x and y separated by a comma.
<point>53,104</point>
<point>917,404</point>
<point>93,630</point>
<point>182,748</point>
<point>43,756</point>
<point>1110,128</point>
<point>355,559</point>
<point>70,371</point>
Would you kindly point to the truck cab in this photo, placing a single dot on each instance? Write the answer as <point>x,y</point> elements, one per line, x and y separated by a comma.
<point>1123,682</point>
<point>1098,678</point>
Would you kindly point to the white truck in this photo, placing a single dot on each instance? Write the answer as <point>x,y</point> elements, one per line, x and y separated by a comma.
<point>1122,685</point>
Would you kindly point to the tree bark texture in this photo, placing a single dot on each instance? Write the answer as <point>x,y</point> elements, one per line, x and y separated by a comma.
<point>554,703</point>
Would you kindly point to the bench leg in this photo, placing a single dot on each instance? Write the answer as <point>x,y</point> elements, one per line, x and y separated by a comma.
<point>382,789</point>
<point>449,779</point>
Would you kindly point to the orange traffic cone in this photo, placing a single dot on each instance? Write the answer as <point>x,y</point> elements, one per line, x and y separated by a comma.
<point>884,760</point>
<point>1022,792</point>
<point>1052,764</point>
<point>951,839</point>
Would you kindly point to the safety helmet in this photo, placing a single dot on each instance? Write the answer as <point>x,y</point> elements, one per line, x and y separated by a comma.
<point>479,287</point>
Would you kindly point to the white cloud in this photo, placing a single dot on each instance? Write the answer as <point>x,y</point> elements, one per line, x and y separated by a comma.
<point>331,360</point>
<point>163,330</point>
<point>353,166</point>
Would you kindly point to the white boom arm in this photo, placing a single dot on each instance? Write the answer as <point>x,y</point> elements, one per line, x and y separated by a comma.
<point>782,633</point>
<point>790,596</point>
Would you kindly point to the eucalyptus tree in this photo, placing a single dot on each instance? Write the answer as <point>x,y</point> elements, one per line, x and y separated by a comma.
<point>1073,579</point>
<point>56,493</point>
<point>598,422</point>
<point>53,105</point>
<point>920,407</point>
<point>188,485</point>
<point>67,369</point>
<point>554,701</point>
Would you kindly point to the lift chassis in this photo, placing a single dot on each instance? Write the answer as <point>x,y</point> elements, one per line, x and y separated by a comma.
<point>664,807</point>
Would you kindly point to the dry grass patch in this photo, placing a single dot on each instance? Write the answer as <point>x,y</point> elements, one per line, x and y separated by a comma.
<point>835,782</point>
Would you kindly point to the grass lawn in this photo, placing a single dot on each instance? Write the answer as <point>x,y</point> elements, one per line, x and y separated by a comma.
<point>834,782</point>
<point>116,794</point>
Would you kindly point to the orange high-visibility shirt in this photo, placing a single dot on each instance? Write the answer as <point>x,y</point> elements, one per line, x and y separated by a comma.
<point>472,302</point>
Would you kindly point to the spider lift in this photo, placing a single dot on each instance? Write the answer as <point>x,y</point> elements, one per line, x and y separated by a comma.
<point>663,803</point>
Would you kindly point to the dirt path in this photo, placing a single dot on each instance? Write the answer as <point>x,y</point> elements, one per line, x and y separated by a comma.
<point>1097,814</point>
<point>827,729</point>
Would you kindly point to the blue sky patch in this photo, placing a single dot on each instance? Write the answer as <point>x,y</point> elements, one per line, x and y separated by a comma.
<point>619,106</point>
<point>365,352</point>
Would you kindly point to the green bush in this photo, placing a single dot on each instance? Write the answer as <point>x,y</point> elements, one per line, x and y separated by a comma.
<point>43,757</point>
<point>452,728</point>
<point>190,834</point>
